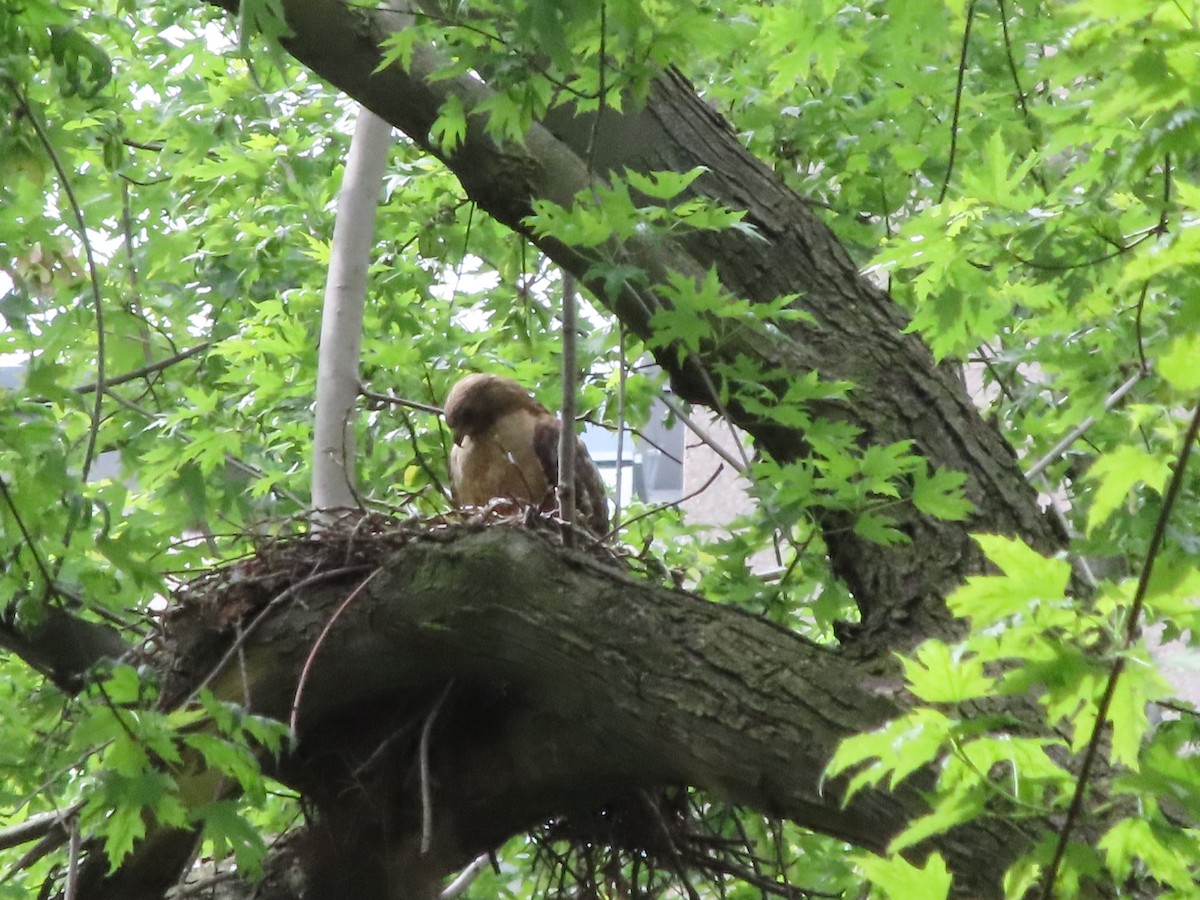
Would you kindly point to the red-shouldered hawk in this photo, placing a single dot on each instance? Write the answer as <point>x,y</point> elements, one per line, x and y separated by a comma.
<point>506,446</point>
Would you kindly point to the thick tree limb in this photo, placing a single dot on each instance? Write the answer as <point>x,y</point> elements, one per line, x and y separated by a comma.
<point>62,646</point>
<point>573,684</point>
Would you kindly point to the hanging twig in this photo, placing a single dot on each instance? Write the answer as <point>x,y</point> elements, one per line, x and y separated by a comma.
<point>1030,124</point>
<point>89,455</point>
<point>958,92</point>
<point>294,718</point>
<point>33,550</point>
<point>426,779</point>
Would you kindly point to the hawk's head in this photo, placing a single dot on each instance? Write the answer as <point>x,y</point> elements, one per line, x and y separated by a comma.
<point>475,403</point>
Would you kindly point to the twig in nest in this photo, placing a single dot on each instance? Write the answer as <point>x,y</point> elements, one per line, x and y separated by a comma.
<point>665,827</point>
<point>657,509</point>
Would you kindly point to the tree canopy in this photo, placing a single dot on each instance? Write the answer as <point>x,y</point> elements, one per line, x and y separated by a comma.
<point>932,260</point>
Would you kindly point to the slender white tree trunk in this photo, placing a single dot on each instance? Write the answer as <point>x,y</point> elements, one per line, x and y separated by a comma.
<point>342,316</point>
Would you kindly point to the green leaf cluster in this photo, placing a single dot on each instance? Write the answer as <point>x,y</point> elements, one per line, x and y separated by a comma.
<point>1029,639</point>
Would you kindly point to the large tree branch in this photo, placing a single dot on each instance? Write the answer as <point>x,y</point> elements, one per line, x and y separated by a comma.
<point>856,332</point>
<point>572,684</point>
<point>62,646</point>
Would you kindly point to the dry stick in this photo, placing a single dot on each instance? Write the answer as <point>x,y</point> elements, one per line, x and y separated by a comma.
<point>312,654</point>
<point>426,781</point>
<point>242,673</point>
<point>1131,633</point>
<point>1073,435</point>
<point>465,878</point>
<point>245,633</point>
<point>672,850</point>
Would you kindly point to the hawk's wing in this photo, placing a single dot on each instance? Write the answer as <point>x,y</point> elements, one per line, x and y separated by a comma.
<point>591,498</point>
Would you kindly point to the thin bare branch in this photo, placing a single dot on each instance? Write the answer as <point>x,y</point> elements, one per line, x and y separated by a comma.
<point>399,401</point>
<point>1132,626</point>
<point>701,432</point>
<point>570,379</point>
<point>149,369</point>
<point>657,509</point>
<point>293,720</point>
<point>958,93</point>
<point>464,879</point>
<point>35,827</point>
<point>1075,433</point>
<point>89,454</point>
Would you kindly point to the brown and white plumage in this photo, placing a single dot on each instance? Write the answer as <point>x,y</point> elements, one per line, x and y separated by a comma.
<point>506,447</point>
